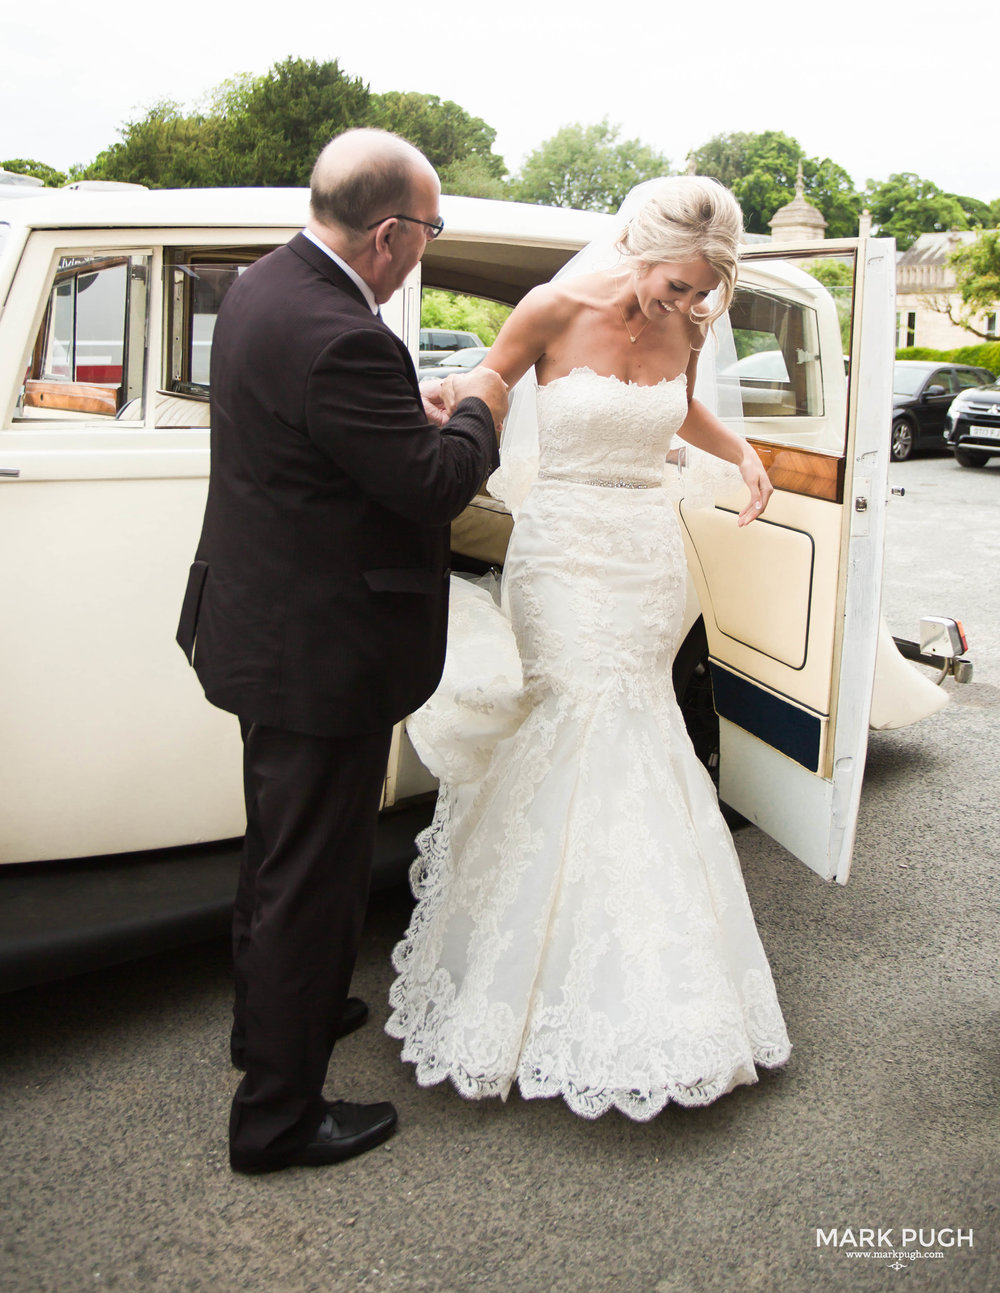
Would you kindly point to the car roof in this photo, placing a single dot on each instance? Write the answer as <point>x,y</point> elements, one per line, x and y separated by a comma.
<point>488,248</point>
<point>132,206</point>
<point>930,365</point>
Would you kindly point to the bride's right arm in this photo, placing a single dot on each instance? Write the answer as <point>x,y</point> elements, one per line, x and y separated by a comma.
<point>528,332</point>
<point>521,342</point>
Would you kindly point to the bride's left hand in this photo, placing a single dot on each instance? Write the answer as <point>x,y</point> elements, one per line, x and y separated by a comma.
<point>761,489</point>
<point>433,402</point>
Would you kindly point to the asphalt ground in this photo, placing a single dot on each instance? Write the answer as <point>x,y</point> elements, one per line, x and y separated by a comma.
<point>115,1086</point>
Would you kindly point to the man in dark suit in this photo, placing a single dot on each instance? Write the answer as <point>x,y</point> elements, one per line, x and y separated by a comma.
<point>316,611</point>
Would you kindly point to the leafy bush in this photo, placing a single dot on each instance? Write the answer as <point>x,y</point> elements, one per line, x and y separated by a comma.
<point>985,355</point>
<point>838,277</point>
<point>464,313</point>
<point>49,176</point>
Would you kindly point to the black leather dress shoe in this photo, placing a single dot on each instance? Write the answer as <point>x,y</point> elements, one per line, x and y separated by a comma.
<point>347,1130</point>
<point>355,1014</point>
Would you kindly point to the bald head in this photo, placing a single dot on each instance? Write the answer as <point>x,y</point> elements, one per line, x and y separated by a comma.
<point>363,175</point>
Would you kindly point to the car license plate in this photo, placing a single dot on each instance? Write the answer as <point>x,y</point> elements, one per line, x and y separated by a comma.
<point>985,433</point>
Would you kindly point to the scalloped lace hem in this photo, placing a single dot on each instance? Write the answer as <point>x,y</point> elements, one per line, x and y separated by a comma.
<point>470,1024</point>
<point>641,1105</point>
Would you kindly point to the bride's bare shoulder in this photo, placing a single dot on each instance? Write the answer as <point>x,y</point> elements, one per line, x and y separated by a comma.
<point>563,299</point>
<point>541,321</point>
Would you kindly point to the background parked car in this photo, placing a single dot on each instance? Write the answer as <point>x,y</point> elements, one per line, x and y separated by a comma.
<point>436,344</point>
<point>460,361</point>
<point>972,427</point>
<point>764,366</point>
<point>921,395</point>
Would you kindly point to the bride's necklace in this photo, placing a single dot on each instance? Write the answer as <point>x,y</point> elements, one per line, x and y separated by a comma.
<point>627,328</point>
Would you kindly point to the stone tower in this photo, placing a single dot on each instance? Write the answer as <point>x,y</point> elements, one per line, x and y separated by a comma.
<point>799,220</point>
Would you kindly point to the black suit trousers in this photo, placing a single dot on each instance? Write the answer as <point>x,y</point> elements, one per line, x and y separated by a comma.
<point>312,809</point>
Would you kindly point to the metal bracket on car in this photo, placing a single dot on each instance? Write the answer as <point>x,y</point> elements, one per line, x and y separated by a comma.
<point>942,641</point>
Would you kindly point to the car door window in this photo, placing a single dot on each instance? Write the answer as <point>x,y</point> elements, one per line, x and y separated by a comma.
<point>197,281</point>
<point>89,357</point>
<point>943,377</point>
<point>790,339</point>
<point>197,286</point>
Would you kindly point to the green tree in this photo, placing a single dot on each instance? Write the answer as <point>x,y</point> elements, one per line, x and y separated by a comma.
<point>977,276</point>
<point>472,177</point>
<point>761,170</point>
<point>254,130</point>
<point>723,158</point>
<point>587,167</point>
<point>165,149</point>
<point>829,187</point>
<point>267,131</point>
<point>904,206</point>
<point>977,213</point>
<point>28,166</point>
<point>273,126</point>
<point>831,272</point>
<point>445,133</point>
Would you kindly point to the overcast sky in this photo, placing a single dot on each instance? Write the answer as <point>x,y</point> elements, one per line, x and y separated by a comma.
<point>876,85</point>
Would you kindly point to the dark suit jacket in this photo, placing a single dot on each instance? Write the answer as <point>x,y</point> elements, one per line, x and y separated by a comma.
<point>318,598</point>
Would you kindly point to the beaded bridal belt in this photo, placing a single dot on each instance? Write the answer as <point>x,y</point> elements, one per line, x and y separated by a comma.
<point>614,482</point>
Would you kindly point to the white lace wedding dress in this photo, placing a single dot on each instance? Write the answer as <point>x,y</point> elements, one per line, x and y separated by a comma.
<point>582,924</point>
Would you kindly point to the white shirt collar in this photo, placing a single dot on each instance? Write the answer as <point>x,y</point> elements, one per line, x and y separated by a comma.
<point>352,274</point>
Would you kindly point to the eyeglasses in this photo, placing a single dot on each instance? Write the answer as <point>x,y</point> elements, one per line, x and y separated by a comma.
<point>435,229</point>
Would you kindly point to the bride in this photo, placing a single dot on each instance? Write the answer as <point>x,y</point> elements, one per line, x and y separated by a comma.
<point>582,927</point>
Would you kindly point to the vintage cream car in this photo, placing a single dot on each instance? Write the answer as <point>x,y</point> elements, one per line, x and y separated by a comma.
<point>108,304</point>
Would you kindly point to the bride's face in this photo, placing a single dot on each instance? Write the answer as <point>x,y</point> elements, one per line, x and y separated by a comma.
<point>663,289</point>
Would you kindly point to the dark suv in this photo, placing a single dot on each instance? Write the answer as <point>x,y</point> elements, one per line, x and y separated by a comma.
<point>921,395</point>
<point>972,426</point>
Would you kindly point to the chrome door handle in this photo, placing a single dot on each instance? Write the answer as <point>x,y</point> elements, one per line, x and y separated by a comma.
<point>10,471</point>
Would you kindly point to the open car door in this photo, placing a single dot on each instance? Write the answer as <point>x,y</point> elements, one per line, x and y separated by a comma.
<point>791,603</point>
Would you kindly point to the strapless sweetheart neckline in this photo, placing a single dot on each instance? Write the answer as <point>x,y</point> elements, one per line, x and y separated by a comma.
<point>613,377</point>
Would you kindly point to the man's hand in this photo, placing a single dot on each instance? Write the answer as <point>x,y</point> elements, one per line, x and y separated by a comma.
<point>479,383</point>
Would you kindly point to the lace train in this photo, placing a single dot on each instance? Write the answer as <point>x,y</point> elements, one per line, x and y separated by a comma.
<point>624,977</point>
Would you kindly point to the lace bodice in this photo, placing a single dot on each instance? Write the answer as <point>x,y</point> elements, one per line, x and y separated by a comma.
<point>593,427</point>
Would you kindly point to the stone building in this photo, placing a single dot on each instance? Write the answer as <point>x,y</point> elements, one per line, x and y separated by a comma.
<point>925,287</point>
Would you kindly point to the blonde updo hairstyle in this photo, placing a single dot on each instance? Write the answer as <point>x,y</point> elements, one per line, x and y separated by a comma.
<point>686,218</point>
